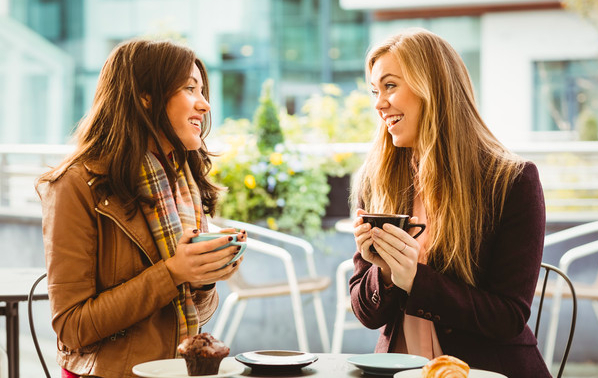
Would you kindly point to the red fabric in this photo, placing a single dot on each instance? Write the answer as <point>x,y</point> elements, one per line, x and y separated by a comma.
<point>68,374</point>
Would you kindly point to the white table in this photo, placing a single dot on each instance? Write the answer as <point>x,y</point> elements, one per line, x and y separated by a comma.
<point>15,284</point>
<point>345,225</point>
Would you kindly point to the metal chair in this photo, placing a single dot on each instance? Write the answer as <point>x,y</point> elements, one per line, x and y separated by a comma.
<point>32,327</point>
<point>241,290</point>
<point>3,363</point>
<point>555,290</point>
<point>343,306</point>
<point>543,293</point>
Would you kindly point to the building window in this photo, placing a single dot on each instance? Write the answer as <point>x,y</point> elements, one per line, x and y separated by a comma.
<point>565,95</point>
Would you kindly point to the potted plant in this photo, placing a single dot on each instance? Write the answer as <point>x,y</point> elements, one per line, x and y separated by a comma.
<point>267,181</point>
<point>334,120</point>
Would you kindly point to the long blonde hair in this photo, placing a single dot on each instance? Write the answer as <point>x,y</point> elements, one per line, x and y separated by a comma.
<point>457,166</point>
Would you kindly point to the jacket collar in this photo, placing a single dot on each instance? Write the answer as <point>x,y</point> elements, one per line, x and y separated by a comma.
<point>112,207</point>
<point>96,167</point>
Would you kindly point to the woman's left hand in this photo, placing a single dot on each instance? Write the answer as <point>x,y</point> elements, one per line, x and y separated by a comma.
<point>241,237</point>
<point>400,251</point>
<point>241,234</point>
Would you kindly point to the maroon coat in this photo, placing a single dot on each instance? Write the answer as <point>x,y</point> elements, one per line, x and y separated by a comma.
<point>485,326</point>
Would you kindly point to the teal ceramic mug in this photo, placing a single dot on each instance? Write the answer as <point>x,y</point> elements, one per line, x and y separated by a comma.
<point>206,236</point>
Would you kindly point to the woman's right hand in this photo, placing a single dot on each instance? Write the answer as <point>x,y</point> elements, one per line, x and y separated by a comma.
<point>363,240</point>
<point>191,263</point>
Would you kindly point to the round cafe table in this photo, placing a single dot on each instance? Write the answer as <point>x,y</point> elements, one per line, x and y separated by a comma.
<point>345,225</point>
<point>15,284</point>
<point>328,365</point>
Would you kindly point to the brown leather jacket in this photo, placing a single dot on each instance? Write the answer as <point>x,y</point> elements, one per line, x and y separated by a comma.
<point>111,295</point>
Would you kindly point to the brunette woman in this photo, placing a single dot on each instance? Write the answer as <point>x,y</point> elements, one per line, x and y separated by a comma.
<point>126,284</point>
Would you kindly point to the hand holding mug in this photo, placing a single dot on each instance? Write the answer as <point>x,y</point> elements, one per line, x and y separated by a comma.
<point>233,240</point>
<point>392,242</point>
<point>203,262</point>
<point>398,220</point>
<point>364,241</point>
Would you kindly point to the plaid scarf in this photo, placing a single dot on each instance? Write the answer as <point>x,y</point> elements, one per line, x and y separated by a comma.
<point>167,220</point>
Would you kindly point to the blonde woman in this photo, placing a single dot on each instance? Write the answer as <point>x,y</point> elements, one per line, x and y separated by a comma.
<point>465,286</point>
<point>126,284</point>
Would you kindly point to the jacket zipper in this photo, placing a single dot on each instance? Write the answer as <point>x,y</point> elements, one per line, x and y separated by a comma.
<point>126,232</point>
<point>151,262</point>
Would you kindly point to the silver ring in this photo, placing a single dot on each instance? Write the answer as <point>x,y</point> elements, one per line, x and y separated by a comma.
<point>404,247</point>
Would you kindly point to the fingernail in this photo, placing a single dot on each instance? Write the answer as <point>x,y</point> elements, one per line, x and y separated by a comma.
<point>230,238</point>
<point>195,231</point>
<point>234,264</point>
<point>243,231</point>
<point>238,248</point>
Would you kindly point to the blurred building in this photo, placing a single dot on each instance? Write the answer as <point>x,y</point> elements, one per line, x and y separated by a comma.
<point>534,64</point>
<point>52,51</point>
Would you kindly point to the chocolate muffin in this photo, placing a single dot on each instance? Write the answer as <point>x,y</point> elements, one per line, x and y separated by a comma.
<point>203,354</point>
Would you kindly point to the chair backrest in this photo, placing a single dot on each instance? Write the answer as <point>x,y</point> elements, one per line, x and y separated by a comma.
<point>550,268</point>
<point>570,233</point>
<point>32,327</point>
<point>272,235</point>
<point>292,286</point>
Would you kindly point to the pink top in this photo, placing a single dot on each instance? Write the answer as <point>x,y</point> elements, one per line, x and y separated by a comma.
<point>419,335</point>
<point>68,374</point>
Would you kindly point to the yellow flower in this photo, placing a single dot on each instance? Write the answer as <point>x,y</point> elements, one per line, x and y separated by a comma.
<point>291,172</point>
<point>276,158</point>
<point>250,181</point>
<point>332,90</point>
<point>215,170</point>
<point>339,157</point>
<point>272,223</point>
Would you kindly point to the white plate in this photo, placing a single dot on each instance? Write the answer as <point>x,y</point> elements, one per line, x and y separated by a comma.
<point>473,373</point>
<point>176,367</point>
<point>276,359</point>
<point>387,363</point>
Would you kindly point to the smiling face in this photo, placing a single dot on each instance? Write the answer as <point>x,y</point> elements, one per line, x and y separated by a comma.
<point>397,105</point>
<point>186,110</point>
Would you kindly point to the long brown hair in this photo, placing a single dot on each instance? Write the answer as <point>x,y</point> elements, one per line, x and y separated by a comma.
<point>118,128</point>
<point>457,166</point>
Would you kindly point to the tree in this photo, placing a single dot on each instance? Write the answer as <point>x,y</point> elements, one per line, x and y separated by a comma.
<point>267,121</point>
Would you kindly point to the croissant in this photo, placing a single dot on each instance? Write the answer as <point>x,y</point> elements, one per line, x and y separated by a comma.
<point>445,367</point>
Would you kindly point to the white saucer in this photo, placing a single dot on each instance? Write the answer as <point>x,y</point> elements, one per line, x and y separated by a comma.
<point>176,367</point>
<point>386,363</point>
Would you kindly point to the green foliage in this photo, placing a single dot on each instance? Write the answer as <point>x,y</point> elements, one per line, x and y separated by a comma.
<point>588,125</point>
<point>333,117</point>
<point>267,122</point>
<point>270,182</point>
<point>286,190</point>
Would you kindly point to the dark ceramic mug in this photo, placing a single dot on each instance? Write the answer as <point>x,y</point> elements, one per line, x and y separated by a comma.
<point>399,220</point>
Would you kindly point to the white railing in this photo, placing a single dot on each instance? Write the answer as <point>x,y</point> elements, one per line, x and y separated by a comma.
<point>569,175</point>
<point>20,165</point>
<point>568,170</point>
